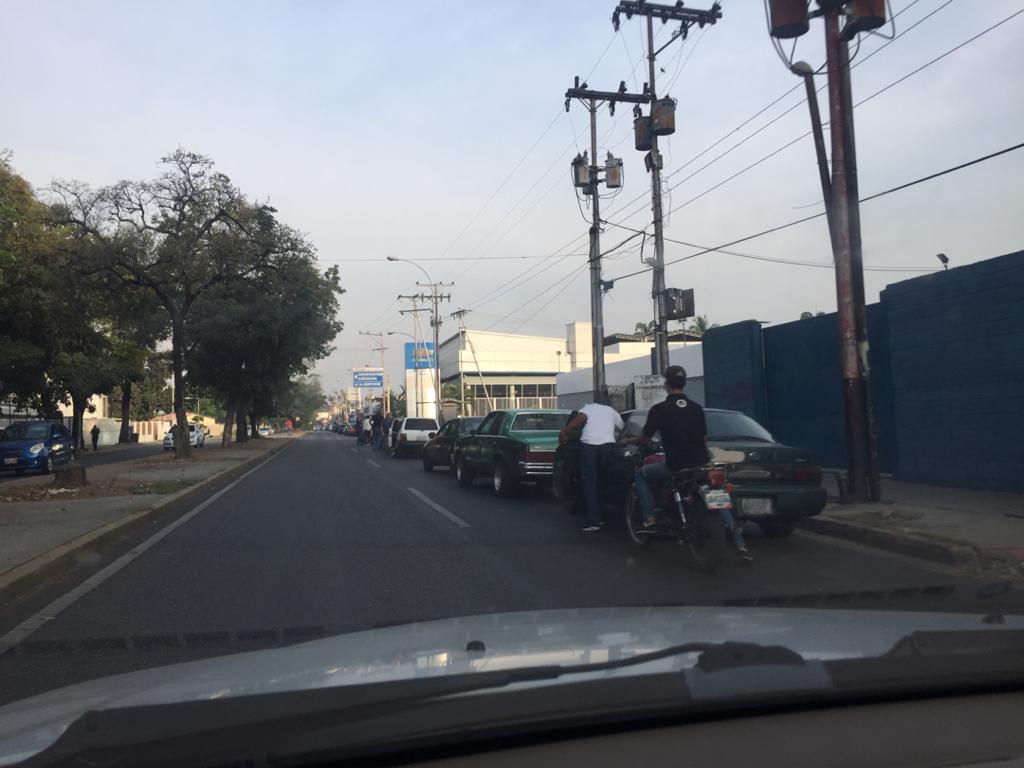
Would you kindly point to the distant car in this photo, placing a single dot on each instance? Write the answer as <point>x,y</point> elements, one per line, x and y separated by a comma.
<point>196,437</point>
<point>510,447</point>
<point>412,434</point>
<point>35,445</point>
<point>265,431</point>
<point>440,450</point>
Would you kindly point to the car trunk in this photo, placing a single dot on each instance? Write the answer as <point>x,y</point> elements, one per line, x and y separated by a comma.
<point>539,442</point>
<point>756,462</point>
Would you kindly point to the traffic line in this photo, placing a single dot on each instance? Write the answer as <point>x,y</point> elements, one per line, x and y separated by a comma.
<point>453,518</point>
<point>51,611</point>
<point>373,463</point>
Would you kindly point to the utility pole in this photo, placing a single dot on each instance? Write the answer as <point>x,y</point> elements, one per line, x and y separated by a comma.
<point>686,18</point>
<point>461,314</point>
<point>415,343</point>
<point>386,400</point>
<point>587,177</point>
<point>435,297</point>
<point>789,20</point>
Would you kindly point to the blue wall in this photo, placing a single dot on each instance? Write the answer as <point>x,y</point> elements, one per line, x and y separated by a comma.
<point>947,369</point>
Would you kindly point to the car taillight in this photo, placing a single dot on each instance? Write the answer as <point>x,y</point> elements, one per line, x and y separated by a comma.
<point>807,475</point>
<point>716,477</point>
<point>402,437</point>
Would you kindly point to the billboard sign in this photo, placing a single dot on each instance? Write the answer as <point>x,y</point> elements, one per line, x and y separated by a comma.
<point>368,379</point>
<point>419,355</point>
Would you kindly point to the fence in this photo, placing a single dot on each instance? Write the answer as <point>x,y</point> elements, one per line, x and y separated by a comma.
<point>480,407</point>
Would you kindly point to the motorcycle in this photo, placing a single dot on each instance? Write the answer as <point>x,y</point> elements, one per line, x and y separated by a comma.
<point>689,508</point>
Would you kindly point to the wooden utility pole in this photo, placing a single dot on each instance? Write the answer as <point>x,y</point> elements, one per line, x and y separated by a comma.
<point>686,18</point>
<point>592,100</point>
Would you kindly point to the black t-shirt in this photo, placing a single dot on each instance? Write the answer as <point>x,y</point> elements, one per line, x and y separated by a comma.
<point>376,420</point>
<point>681,424</point>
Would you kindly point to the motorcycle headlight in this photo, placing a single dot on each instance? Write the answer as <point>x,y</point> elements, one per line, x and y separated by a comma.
<point>36,449</point>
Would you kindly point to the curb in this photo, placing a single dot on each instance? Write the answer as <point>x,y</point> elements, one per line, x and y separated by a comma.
<point>903,543</point>
<point>42,567</point>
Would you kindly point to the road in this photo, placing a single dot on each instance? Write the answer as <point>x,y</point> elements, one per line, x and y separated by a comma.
<point>326,538</point>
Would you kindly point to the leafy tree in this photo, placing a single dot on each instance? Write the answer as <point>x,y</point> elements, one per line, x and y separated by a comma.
<point>809,315</point>
<point>700,325</point>
<point>644,329</point>
<point>177,236</point>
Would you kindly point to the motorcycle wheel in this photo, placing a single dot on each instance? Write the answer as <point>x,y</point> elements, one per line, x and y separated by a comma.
<point>635,520</point>
<point>704,538</point>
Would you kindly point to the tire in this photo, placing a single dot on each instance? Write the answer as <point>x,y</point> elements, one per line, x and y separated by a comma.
<point>704,540</point>
<point>776,529</point>
<point>428,465</point>
<point>464,476</point>
<point>634,518</point>
<point>49,466</point>
<point>451,462</point>
<point>505,485</point>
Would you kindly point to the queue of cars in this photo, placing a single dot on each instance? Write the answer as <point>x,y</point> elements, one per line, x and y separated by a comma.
<point>771,484</point>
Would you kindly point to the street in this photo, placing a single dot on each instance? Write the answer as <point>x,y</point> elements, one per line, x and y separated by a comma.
<point>326,538</point>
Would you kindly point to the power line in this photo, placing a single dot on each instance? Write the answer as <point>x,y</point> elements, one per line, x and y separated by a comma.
<point>813,216</point>
<point>573,273</point>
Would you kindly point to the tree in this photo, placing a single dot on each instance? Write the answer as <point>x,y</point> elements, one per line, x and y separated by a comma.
<point>177,237</point>
<point>644,329</point>
<point>809,315</point>
<point>700,325</point>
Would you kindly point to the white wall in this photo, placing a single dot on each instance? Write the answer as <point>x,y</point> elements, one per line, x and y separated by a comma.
<point>621,373</point>
<point>502,353</point>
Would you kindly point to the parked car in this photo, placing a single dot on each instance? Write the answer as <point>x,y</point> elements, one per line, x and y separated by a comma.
<point>265,431</point>
<point>510,447</point>
<point>440,449</point>
<point>412,434</point>
<point>36,445</point>
<point>771,484</point>
<point>196,437</point>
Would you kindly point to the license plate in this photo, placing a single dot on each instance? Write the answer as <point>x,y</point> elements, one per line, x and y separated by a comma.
<point>757,506</point>
<point>717,500</point>
<point>10,461</point>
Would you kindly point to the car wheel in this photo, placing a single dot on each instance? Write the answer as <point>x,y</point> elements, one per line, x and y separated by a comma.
<point>463,475</point>
<point>428,465</point>
<point>451,462</point>
<point>49,465</point>
<point>774,529</point>
<point>504,484</point>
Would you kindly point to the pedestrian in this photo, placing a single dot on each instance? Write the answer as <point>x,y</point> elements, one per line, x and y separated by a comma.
<point>377,430</point>
<point>95,432</point>
<point>599,423</point>
<point>367,429</point>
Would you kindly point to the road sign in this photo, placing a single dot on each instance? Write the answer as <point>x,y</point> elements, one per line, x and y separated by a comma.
<point>368,379</point>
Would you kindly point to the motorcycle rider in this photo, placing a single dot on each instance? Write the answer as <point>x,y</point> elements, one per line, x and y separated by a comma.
<point>683,430</point>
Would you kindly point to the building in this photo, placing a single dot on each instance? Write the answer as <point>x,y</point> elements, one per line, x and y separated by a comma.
<point>507,370</point>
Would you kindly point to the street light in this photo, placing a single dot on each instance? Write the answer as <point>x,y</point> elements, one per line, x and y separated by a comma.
<point>435,323</point>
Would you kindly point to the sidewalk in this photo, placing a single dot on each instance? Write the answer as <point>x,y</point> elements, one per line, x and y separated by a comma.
<point>42,528</point>
<point>957,526</point>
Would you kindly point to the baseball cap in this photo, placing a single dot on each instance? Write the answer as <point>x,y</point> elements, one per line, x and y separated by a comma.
<point>676,376</point>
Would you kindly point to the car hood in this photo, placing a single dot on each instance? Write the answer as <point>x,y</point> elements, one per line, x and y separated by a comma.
<point>439,648</point>
<point>21,445</point>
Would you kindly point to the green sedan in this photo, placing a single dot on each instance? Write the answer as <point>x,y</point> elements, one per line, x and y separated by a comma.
<point>510,447</point>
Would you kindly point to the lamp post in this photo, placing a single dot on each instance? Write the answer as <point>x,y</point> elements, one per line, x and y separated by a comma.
<point>435,322</point>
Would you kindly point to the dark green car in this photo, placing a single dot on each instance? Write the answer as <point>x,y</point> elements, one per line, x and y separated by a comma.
<point>771,484</point>
<point>510,447</point>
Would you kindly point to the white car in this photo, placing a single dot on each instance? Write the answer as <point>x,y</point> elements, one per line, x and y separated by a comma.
<point>411,436</point>
<point>196,437</point>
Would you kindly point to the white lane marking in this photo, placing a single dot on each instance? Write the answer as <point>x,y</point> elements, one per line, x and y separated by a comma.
<point>439,509</point>
<point>373,463</point>
<point>50,612</point>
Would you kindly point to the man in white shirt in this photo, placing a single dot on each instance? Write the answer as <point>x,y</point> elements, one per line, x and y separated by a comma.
<point>599,423</point>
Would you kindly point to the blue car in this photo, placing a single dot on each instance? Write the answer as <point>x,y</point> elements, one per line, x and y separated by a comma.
<point>39,445</point>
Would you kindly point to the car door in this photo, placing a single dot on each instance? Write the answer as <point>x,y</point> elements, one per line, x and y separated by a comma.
<point>489,440</point>
<point>469,445</point>
<point>445,442</point>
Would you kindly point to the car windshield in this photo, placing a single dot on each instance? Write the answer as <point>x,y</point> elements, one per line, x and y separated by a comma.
<point>729,425</point>
<point>539,422</point>
<point>297,300</point>
<point>26,431</point>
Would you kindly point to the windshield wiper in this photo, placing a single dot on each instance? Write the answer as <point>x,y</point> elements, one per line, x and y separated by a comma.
<point>149,731</point>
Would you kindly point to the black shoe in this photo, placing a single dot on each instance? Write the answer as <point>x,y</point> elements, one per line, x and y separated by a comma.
<point>744,554</point>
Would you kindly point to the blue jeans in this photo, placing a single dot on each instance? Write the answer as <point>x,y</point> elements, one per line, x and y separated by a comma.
<point>659,473</point>
<point>378,439</point>
<point>593,458</point>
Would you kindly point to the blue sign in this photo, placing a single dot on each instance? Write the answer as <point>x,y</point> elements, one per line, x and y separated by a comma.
<point>419,355</point>
<point>368,379</point>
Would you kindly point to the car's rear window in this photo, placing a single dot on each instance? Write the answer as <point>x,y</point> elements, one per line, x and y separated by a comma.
<point>539,422</point>
<point>729,424</point>
<point>421,424</point>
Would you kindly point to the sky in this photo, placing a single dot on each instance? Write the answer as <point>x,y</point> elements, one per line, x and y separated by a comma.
<point>436,132</point>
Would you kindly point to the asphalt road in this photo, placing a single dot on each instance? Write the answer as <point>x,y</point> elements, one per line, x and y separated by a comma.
<point>327,538</point>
